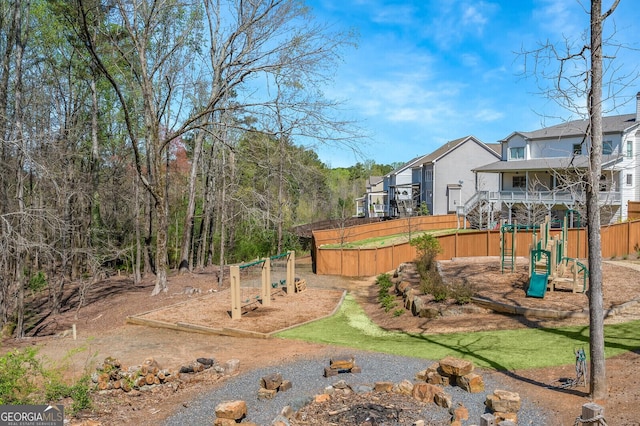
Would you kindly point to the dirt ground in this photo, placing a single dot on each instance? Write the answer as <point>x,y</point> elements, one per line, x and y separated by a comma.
<point>102,331</point>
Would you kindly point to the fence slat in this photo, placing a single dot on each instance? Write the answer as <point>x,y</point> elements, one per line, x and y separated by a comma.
<point>617,240</point>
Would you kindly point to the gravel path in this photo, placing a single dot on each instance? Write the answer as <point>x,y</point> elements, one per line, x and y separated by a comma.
<point>308,380</point>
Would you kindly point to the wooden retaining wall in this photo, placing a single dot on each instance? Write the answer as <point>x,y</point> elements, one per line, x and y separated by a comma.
<point>617,240</point>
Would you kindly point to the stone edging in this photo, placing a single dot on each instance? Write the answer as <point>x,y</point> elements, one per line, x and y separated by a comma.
<point>548,313</point>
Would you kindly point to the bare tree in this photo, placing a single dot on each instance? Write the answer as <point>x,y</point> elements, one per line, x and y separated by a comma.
<point>568,87</point>
<point>596,318</point>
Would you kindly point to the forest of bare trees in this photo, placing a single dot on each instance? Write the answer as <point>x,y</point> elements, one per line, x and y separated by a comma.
<point>150,135</point>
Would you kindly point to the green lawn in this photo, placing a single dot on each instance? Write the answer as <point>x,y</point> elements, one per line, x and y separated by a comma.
<point>388,240</point>
<point>500,350</point>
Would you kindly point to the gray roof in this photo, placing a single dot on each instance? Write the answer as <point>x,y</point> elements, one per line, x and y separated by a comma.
<point>577,162</point>
<point>612,124</point>
<point>451,145</point>
<point>373,181</point>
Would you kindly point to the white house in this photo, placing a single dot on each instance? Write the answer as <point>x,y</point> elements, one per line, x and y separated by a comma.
<point>546,168</point>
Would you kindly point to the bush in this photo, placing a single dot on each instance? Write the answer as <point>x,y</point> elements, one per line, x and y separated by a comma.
<point>37,282</point>
<point>461,292</point>
<point>428,248</point>
<point>19,370</point>
<point>23,380</point>
<point>386,300</point>
<point>80,392</point>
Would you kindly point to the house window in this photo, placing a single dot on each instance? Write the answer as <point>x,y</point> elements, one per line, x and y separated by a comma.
<point>519,182</point>
<point>629,149</point>
<point>607,148</point>
<point>577,148</point>
<point>517,153</point>
<point>629,178</point>
<point>428,175</point>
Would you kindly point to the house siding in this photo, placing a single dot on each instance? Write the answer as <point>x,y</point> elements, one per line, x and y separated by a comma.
<point>456,166</point>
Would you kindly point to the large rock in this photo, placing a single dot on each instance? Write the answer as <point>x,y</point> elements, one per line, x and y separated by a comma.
<point>425,392</point>
<point>383,386</point>
<point>267,393</point>
<point>405,387</point>
<point>285,386</point>
<point>401,287</point>
<point>455,367</point>
<point>342,363</point>
<point>429,312</point>
<point>271,381</point>
<point>503,401</point>
<point>461,413</point>
<point>234,410</point>
<point>471,382</point>
<point>442,399</point>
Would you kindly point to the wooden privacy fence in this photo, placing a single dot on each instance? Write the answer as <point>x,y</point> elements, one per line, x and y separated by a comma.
<point>383,229</point>
<point>617,240</point>
<point>634,210</point>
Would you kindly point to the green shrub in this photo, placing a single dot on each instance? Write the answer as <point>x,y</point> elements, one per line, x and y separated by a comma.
<point>461,292</point>
<point>428,248</point>
<point>388,302</point>
<point>440,292</point>
<point>37,282</point>
<point>384,281</point>
<point>398,312</point>
<point>18,371</point>
<point>80,392</point>
<point>55,390</point>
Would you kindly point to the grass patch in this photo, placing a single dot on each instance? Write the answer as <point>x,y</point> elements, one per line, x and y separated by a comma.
<point>389,240</point>
<point>499,350</point>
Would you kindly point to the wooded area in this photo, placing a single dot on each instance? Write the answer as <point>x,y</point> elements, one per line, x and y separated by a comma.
<point>146,135</point>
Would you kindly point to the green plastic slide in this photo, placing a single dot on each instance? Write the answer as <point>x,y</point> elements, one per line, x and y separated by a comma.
<point>537,285</point>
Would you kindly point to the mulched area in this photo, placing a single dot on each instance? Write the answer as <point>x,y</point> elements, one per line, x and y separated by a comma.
<point>212,311</point>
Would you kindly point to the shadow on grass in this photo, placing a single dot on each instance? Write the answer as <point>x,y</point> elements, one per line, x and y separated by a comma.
<point>619,338</point>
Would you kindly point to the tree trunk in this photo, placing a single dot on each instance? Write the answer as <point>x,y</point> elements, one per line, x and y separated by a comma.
<point>137,276</point>
<point>162,218</point>
<point>598,382</point>
<point>187,232</point>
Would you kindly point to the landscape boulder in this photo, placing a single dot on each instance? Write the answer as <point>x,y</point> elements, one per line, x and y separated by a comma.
<point>455,367</point>
<point>503,401</point>
<point>233,410</point>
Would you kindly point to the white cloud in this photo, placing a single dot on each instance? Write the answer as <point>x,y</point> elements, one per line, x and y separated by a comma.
<point>403,15</point>
<point>472,16</point>
<point>487,115</point>
<point>559,17</point>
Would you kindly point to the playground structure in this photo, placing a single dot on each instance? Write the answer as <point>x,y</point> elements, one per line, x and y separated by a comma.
<point>549,264</point>
<point>508,243</point>
<point>241,300</point>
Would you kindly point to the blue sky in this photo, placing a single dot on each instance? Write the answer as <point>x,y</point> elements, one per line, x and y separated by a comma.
<point>429,71</point>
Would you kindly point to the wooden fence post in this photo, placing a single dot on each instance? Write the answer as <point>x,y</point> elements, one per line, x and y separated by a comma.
<point>291,272</point>
<point>234,275</point>
<point>265,293</point>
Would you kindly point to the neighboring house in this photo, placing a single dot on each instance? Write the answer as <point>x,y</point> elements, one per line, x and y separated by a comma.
<point>442,180</point>
<point>374,201</point>
<point>445,177</point>
<point>394,190</point>
<point>545,169</point>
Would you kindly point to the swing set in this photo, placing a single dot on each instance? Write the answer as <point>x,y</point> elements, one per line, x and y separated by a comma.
<point>245,299</point>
